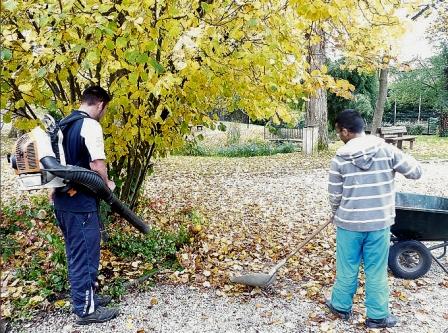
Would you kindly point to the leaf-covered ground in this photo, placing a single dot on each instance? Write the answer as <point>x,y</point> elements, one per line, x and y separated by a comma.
<point>253,211</point>
<point>256,210</point>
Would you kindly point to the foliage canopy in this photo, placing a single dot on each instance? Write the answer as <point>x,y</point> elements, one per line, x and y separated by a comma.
<point>168,63</point>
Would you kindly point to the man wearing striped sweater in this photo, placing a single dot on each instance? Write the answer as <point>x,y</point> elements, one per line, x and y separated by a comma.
<point>362,198</point>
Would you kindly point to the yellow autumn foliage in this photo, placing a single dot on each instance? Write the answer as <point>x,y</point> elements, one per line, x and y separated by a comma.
<point>169,63</point>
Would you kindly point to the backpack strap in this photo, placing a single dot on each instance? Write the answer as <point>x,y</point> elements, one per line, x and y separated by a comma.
<point>71,119</point>
<point>62,125</point>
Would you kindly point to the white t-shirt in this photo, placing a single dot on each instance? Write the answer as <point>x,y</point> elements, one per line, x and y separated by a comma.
<point>92,133</point>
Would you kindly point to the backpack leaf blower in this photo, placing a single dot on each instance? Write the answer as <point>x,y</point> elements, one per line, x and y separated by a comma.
<point>39,161</point>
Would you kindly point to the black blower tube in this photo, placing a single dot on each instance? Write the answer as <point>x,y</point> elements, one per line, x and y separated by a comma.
<point>93,182</point>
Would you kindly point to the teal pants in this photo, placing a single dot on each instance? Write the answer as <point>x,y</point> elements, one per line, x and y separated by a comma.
<point>373,249</point>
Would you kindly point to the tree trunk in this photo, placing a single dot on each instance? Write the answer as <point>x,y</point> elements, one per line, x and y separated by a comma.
<point>131,172</point>
<point>316,107</point>
<point>317,115</point>
<point>381,101</point>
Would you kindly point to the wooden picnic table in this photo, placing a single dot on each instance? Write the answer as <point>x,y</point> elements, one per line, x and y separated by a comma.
<point>396,135</point>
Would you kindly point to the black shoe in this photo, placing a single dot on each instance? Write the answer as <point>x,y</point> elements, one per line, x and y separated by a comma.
<point>390,321</point>
<point>344,315</point>
<point>100,315</point>
<point>102,300</point>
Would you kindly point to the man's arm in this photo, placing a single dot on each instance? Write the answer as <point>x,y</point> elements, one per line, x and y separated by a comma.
<point>100,167</point>
<point>405,164</point>
<point>92,133</point>
<point>335,183</point>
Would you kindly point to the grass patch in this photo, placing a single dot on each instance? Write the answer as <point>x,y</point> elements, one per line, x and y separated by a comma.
<point>426,147</point>
<point>429,147</point>
<point>248,149</point>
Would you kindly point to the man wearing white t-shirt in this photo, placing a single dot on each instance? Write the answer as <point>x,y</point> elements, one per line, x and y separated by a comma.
<point>77,208</point>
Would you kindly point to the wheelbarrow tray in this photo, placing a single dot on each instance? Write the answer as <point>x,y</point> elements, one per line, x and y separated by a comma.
<point>420,217</point>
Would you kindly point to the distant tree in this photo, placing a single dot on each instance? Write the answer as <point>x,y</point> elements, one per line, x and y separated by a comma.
<point>364,95</point>
<point>426,83</point>
<point>438,29</point>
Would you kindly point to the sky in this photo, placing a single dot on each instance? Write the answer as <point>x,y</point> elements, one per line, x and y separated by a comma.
<point>413,43</point>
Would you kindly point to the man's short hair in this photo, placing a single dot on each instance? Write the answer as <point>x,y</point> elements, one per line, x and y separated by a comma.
<point>95,94</point>
<point>351,120</point>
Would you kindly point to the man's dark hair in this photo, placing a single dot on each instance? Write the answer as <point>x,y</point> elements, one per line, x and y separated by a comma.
<point>95,94</point>
<point>351,120</point>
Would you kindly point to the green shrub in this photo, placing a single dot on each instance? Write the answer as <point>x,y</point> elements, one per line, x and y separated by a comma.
<point>416,129</point>
<point>8,245</point>
<point>154,247</point>
<point>33,250</point>
<point>192,148</point>
<point>249,149</point>
<point>255,149</point>
<point>37,257</point>
<point>116,288</point>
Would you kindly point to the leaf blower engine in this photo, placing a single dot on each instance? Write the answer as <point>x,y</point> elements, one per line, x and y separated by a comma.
<point>39,161</point>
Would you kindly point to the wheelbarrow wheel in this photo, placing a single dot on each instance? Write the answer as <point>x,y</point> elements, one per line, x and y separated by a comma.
<point>409,259</point>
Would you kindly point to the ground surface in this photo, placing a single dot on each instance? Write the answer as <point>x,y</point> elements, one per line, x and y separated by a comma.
<point>257,210</point>
<point>262,191</point>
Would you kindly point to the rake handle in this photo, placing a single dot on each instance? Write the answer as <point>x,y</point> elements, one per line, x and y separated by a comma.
<point>306,241</point>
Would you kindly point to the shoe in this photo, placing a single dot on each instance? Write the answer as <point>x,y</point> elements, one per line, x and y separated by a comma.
<point>344,315</point>
<point>389,321</point>
<point>102,300</point>
<point>100,315</point>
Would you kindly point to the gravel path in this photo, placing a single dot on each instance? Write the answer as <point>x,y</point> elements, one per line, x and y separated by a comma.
<point>254,190</point>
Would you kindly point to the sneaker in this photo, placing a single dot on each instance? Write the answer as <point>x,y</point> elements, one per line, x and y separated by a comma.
<point>344,315</point>
<point>99,300</point>
<point>389,321</point>
<point>102,300</point>
<point>100,315</point>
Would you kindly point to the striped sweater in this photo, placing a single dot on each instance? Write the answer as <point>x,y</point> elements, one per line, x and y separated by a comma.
<point>361,183</point>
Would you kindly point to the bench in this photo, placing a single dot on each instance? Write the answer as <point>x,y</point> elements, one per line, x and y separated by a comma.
<point>396,135</point>
<point>282,134</point>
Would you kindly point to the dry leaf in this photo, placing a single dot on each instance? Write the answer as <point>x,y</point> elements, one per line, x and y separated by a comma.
<point>266,314</point>
<point>60,303</point>
<point>36,299</point>
<point>326,327</point>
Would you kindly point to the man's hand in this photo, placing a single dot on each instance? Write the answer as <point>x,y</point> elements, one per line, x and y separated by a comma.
<point>51,196</point>
<point>111,185</point>
<point>99,166</point>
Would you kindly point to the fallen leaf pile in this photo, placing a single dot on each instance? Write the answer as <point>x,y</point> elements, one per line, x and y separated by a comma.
<point>256,211</point>
<point>249,226</point>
